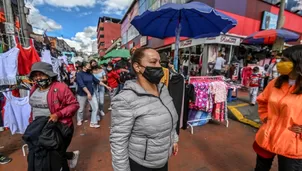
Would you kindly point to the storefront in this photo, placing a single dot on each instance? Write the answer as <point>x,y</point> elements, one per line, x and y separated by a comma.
<point>207,49</point>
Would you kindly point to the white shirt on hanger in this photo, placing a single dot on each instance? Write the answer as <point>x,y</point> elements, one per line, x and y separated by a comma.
<point>46,56</point>
<point>9,66</point>
<point>17,113</point>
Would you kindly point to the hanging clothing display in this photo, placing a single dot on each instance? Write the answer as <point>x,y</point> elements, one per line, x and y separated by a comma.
<point>56,64</point>
<point>176,90</point>
<point>9,65</point>
<point>46,56</point>
<point>211,99</point>
<point>27,57</point>
<point>63,60</point>
<point>165,79</point>
<point>189,97</point>
<point>17,113</point>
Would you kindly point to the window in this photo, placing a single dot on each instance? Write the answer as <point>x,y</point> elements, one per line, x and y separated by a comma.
<point>101,28</point>
<point>102,44</point>
<point>101,36</point>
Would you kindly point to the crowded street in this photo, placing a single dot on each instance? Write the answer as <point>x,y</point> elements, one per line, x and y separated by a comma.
<point>210,148</point>
<point>150,85</point>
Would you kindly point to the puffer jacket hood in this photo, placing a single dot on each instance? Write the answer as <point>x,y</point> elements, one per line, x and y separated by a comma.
<point>143,127</point>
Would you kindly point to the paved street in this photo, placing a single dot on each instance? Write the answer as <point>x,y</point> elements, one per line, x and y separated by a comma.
<point>212,148</point>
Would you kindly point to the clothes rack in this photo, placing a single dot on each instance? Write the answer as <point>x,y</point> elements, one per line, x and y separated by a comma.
<point>207,79</point>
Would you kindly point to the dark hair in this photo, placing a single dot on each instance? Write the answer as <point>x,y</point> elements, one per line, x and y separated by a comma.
<point>93,60</point>
<point>256,69</point>
<point>138,55</point>
<point>85,63</point>
<point>110,64</point>
<point>294,54</point>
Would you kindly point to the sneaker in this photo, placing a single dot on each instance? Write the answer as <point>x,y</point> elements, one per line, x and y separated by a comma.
<point>94,125</point>
<point>4,160</point>
<point>73,163</point>
<point>109,108</point>
<point>79,123</point>
<point>86,121</point>
<point>102,113</point>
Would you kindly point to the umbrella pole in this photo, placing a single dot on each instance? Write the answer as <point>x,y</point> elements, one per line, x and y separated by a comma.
<point>177,33</point>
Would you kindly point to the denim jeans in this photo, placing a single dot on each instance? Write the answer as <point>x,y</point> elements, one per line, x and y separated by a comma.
<point>94,107</point>
<point>100,94</point>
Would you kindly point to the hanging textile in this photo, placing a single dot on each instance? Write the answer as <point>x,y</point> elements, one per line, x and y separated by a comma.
<point>46,56</point>
<point>27,57</point>
<point>17,113</point>
<point>176,90</point>
<point>9,65</point>
<point>56,64</point>
<point>189,97</point>
<point>211,98</point>
<point>165,79</point>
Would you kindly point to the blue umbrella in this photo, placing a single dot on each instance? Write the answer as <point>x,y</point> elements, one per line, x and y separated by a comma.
<point>269,37</point>
<point>193,20</point>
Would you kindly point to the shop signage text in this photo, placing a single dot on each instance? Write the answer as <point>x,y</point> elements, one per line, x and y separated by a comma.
<point>143,41</point>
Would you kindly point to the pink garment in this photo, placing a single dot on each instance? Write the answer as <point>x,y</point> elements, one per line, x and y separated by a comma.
<point>203,96</point>
<point>219,90</point>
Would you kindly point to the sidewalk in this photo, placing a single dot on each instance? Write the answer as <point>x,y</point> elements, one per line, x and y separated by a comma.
<point>242,111</point>
<point>212,147</point>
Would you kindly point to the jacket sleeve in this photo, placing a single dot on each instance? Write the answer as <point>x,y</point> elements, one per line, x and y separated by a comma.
<point>68,99</point>
<point>176,138</point>
<point>263,100</point>
<point>80,81</point>
<point>122,120</point>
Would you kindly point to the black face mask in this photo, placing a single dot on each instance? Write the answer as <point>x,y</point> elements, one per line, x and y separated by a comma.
<point>153,74</point>
<point>44,83</point>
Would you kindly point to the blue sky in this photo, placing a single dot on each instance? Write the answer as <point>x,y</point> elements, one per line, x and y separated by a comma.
<point>74,21</point>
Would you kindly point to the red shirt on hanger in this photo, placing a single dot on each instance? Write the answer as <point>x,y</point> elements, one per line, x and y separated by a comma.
<point>27,57</point>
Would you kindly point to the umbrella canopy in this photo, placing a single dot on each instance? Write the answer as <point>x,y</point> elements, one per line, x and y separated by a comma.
<point>193,20</point>
<point>104,61</point>
<point>269,37</point>
<point>118,53</point>
<point>196,19</point>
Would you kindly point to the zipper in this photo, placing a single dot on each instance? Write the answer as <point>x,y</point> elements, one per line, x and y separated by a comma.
<point>145,155</point>
<point>151,95</point>
<point>171,119</point>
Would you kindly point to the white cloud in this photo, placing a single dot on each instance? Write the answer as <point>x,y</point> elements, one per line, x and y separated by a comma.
<point>107,6</point>
<point>66,3</point>
<point>67,9</point>
<point>40,22</point>
<point>83,41</point>
<point>85,14</point>
<point>115,6</point>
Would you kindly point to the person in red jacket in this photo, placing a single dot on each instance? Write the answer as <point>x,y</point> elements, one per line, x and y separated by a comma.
<point>112,80</point>
<point>50,98</point>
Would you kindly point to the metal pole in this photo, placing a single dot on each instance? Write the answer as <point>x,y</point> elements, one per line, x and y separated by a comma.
<point>23,20</point>
<point>280,21</point>
<point>205,61</point>
<point>9,21</point>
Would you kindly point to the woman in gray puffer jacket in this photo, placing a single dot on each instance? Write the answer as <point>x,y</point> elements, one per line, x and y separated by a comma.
<point>143,119</point>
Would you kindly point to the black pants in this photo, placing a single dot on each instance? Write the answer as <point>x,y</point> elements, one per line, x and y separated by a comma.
<point>284,164</point>
<point>216,72</point>
<point>67,140</point>
<point>137,167</point>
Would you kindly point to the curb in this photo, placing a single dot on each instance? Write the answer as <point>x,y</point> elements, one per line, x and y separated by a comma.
<point>240,117</point>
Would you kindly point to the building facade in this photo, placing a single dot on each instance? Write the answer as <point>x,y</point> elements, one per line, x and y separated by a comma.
<point>109,29</point>
<point>252,16</point>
